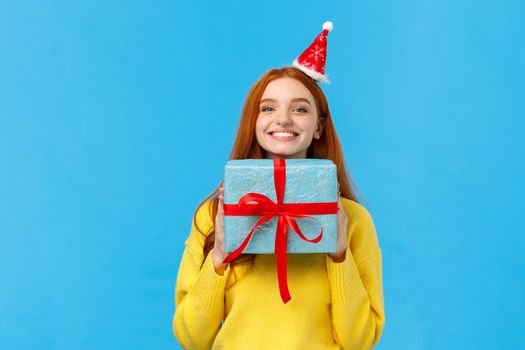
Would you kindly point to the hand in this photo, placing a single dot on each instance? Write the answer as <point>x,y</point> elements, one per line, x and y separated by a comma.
<point>219,252</point>
<point>342,232</point>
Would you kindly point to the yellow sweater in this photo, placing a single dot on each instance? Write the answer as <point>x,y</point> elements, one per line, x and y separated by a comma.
<point>333,305</point>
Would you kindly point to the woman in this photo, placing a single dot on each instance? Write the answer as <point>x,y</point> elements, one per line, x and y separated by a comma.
<point>337,297</point>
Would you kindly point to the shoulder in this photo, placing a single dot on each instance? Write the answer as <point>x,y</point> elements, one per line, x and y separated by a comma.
<point>203,216</point>
<point>362,235</point>
<point>356,211</point>
<point>202,223</point>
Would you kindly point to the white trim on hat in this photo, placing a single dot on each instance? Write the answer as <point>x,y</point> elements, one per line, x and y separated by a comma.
<point>310,72</point>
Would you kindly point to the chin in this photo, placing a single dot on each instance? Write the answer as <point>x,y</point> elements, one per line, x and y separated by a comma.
<point>285,154</point>
<point>282,152</point>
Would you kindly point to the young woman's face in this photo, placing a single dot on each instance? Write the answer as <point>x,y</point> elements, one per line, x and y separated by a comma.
<point>288,119</point>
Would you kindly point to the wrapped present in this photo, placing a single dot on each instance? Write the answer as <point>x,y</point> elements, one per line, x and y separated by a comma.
<point>280,206</point>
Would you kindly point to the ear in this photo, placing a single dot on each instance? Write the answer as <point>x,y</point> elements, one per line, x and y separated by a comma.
<point>320,128</point>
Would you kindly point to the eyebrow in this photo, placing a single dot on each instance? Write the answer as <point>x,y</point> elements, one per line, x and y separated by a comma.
<point>293,100</point>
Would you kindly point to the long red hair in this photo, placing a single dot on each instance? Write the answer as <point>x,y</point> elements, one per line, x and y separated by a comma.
<point>246,146</point>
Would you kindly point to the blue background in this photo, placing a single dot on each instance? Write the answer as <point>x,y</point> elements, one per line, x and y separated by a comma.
<point>116,119</point>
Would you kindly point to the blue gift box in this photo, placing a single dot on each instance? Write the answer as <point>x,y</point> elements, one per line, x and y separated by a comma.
<point>307,181</point>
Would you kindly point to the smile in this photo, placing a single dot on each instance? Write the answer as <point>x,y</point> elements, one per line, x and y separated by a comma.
<point>283,135</point>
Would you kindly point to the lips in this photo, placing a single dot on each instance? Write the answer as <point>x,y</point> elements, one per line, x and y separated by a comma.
<point>283,133</point>
<point>283,136</point>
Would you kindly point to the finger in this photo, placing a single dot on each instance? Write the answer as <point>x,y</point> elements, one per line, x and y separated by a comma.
<point>221,196</point>
<point>219,225</point>
<point>221,206</point>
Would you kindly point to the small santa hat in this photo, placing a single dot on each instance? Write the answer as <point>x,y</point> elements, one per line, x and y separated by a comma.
<point>312,60</point>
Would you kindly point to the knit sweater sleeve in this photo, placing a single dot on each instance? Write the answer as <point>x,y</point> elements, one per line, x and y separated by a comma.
<point>199,292</point>
<point>358,315</point>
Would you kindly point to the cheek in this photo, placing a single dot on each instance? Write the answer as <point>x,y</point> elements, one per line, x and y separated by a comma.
<point>259,130</point>
<point>260,125</point>
<point>308,126</point>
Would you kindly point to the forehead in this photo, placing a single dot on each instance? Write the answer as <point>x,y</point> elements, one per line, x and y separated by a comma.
<point>287,89</point>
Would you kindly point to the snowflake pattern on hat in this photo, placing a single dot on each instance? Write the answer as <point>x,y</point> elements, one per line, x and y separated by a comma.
<point>312,61</point>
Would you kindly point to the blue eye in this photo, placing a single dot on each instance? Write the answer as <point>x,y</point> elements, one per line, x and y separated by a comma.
<point>303,109</point>
<point>264,109</point>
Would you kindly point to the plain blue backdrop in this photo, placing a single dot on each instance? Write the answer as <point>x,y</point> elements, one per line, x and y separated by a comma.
<point>116,119</point>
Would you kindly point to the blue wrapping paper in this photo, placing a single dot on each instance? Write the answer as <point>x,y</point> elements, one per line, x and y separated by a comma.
<point>307,181</point>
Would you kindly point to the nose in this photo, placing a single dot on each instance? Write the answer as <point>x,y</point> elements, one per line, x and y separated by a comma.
<point>283,118</point>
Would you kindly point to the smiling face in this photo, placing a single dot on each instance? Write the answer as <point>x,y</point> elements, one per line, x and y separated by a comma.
<point>288,119</point>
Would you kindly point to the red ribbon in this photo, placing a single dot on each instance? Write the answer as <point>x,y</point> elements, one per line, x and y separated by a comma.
<point>286,212</point>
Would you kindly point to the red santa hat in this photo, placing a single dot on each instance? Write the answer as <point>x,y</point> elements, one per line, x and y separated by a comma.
<point>312,60</point>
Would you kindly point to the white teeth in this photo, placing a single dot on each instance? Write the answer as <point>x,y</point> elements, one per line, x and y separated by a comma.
<point>283,133</point>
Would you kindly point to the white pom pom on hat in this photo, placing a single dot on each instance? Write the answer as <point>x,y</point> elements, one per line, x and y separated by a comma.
<point>312,61</point>
<point>328,26</point>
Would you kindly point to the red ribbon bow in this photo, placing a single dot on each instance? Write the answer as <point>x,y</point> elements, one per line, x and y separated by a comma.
<point>286,212</point>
